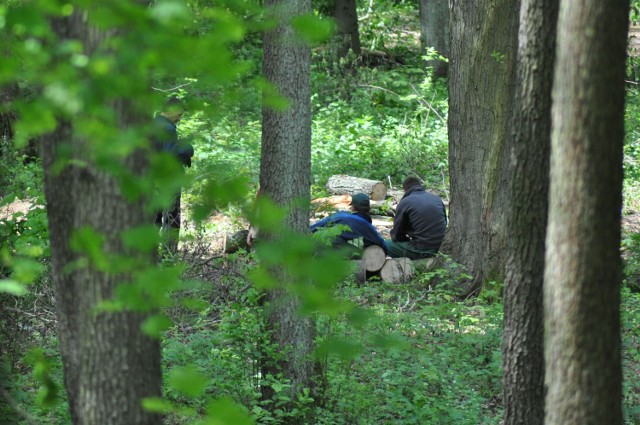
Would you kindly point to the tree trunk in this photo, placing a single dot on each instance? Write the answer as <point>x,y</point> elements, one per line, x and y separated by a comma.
<point>583,265</point>
<point>346,17</point>
<point>434,33</point>
<point>522,347</point>
<point>347,185</point>
<point>285,176</point>
<point>481,77</point>
<point>109,364</point>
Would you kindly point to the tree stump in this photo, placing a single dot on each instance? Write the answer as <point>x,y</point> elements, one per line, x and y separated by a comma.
<point>397,270</point>
<point>374,258</point>
<point>342,184</point>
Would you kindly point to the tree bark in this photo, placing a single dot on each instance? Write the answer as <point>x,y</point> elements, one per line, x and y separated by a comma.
<point>285,177</point>
<point>109,364</point>
<point>434,32</point>
<point>583,265</point>
<point>481,79</point>
<point>347,185</point>
<point>346,17</point>
<point>522,347</point>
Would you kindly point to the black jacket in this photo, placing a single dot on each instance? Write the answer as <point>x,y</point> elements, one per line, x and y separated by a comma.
<point>165,139</point>
<point>420,218</point>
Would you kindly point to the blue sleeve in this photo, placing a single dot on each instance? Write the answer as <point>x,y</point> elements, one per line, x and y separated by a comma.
<point>369,233</point>
<point>315,226</point>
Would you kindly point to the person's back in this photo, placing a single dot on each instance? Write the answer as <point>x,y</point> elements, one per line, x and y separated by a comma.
<point>420,222</point>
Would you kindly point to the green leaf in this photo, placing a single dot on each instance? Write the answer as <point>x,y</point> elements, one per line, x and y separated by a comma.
<point>155,325</point>
<point>313,29</point>
<point>12,287</point>
<point>87,241</point>
<point>158,405</point>
<point>26,270</point>
<point>224,411</point>
<point>169,11</point>
<point>188,381</point>
<point>142,238</point>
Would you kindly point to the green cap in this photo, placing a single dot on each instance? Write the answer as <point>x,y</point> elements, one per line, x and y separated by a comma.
<point>360,200</point>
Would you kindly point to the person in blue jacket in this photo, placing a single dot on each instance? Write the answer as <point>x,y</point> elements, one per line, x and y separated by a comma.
<point>165,139</point>
<point>359,223</point>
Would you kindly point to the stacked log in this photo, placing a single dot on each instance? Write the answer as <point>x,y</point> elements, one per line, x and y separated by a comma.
<point>397,270</point>
<point>342,184</point>
<point>373,257</point>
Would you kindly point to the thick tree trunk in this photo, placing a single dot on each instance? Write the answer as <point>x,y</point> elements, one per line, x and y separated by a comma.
<point>583,265</point>
<point>285,176</point>
<point>347,185</point>
<point>346,17</point>
<point>109,364</point>
<point>481,77</point>
<point>434,33</point>
<point>522,348</point>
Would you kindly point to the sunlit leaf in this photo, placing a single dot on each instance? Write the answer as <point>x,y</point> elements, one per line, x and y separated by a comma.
<point>12,287</point>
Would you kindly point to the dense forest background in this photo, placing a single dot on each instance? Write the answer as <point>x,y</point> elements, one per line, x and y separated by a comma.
<point>419,352</point>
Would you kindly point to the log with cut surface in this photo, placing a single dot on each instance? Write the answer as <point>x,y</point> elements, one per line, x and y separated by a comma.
<point>397,270</point>
<point>373,257</point>
<point>342,184</point>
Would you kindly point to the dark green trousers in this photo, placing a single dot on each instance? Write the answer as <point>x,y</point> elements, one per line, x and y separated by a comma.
<point>405,249</point>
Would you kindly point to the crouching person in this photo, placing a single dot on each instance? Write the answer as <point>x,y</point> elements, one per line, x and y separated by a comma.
<point>358,225</point>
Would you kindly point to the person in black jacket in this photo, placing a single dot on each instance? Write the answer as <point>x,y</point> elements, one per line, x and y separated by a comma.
<point>419,224</point>
<point>165,139</point>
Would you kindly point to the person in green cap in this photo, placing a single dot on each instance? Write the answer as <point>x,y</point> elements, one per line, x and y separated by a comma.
<point>359,223</point>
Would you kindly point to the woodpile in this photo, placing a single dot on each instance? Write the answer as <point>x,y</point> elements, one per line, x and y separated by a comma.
<point>395,270</point>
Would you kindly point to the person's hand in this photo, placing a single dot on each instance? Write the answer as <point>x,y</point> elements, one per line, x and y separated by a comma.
<point>252,235</point>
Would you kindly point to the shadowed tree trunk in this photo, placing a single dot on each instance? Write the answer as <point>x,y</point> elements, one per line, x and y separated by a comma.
<point>583,265</point>
<point>481,80</point>
<point>346,17</point>
<point>434,32</point>
<point>285,175</point>
<point>109,364</point>
<point>522,348</point>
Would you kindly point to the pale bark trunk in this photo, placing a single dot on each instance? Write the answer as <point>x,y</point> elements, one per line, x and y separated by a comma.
<point>523,352</point>
<point>109,364</point>
<point>434,32</point>
<point>285,178</point>
<point>481,77</point>
<point>583,265</point>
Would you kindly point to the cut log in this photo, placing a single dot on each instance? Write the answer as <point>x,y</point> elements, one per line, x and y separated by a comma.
<point>342,184</point>
<point>397,270</point>
<point>374,258</point>
<point>359,272</point>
